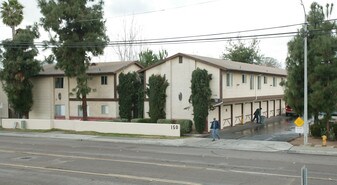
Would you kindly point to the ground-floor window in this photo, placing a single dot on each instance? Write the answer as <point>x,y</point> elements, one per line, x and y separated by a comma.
<point>60,110</point>
<point>104,109</point>
<point>80,110</point>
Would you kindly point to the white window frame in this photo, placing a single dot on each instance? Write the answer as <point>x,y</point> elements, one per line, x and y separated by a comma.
<point>104,109</point>
<point>251,82</point>
<point>259,82</point>
<point>60,110</point>
<point>229,79</point>
<point>104,80</point>
<point>274,81</point>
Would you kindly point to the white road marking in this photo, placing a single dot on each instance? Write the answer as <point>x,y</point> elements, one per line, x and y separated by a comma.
<point>100,174</point>
<point>167,165</point>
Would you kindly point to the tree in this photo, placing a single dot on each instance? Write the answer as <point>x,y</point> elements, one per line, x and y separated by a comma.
<point>79,33</point>
<point>127,41</point>
<point>12,14</point>
<point>270,62</point>
<point>19,66</point>
<point>148,58</point>
<point>200,97</point>
<point>129,89</point>
<point>156,92</point>
<point>322,64</point>
<point>241,53</point>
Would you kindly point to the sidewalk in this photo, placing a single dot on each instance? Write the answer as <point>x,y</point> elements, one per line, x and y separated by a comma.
<point>233,144</point>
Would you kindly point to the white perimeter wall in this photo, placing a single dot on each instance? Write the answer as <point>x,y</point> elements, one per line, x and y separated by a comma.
<point>95,126</point>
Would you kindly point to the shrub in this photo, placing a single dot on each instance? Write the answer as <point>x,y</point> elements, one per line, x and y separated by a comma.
<point>316,129</point>
<point>185,125</point>
<point>120,120</point>
<point>141,120</point>
<point>170,121</point>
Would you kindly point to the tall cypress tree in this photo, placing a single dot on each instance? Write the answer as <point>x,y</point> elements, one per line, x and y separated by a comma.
<point>156,92</point>
<point>201,97</point>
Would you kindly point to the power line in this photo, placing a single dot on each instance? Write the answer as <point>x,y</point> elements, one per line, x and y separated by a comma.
<point>152,11</point>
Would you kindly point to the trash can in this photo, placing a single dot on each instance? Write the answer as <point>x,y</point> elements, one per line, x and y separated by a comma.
<point>23,124</point>
<point>263,118</point>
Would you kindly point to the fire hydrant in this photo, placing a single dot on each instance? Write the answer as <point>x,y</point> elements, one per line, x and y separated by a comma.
<point>324,140</point>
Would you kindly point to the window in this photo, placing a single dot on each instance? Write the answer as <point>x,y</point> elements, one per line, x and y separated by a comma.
<point>274,81</point>
<point>229,79</point>
<point>80,110</point>
<point>180,60</point>
<point>259,82</point>
<point>104,80</point>
<point>265,79</point>
<point>251,82</point>
<point>60,110</point>
<point>244,78</point>
<point>59,82</point>
<point>105,109</point>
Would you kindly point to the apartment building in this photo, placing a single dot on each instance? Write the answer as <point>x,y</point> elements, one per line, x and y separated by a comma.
<point>237,88</point>
<point>54,97</point>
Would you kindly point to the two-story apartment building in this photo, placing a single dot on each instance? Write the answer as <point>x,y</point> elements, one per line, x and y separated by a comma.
<point>54,97</point>
<point>237,88</point>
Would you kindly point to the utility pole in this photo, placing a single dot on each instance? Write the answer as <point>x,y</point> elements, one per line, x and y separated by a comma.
<point>306,124</point>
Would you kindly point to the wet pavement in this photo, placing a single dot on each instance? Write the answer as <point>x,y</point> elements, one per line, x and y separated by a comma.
<point>280,128</point>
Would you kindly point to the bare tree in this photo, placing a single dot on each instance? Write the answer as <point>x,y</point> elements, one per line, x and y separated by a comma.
<point>128,46</point>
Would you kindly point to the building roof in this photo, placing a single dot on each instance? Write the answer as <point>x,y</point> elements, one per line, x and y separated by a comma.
<point>228,65</point>
<point>94,68</point>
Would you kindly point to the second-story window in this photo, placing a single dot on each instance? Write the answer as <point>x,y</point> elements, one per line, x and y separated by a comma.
<point>244,78</point>
<point>274,81</point>
<point>251,81</point>
<point>265,79</point>
<point>259,82</point>
<point>104,80</point>
<point>59,82</point>
<point>229,79</point>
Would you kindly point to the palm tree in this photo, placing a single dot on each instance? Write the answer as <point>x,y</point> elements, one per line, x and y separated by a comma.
<point>12,14</point>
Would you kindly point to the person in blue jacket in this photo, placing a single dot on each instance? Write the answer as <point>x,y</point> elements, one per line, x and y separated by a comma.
<point>215,126</point>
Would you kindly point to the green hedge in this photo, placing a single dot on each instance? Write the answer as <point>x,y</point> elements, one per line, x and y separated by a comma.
<point>170,121</point>
<point>141,120</point>
<point>185,126</point>
<point>120,120</point>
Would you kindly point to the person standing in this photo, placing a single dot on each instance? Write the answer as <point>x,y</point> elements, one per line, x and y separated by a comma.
<point>257,115</point>
<point>215,126</point>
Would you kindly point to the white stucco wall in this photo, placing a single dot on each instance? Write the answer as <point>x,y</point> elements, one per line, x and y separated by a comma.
<point>96,126</point>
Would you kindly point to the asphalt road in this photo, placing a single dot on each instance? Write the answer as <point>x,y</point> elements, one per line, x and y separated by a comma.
<point>41,161</point>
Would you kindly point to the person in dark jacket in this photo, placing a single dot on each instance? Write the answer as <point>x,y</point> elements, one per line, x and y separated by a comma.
<point>215,126</point>
<point>257,115</point>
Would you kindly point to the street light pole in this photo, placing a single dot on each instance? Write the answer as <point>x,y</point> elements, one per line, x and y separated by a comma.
<point>306,125</point>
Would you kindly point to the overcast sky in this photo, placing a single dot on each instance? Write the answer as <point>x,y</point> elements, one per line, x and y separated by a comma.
<point>176,18</point>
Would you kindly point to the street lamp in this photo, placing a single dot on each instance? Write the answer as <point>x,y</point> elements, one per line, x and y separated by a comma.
<point>306,126</point>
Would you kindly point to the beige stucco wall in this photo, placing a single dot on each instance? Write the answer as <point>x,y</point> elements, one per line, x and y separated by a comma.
<point>43,98</point>
<point>225,116</point>
<point>239,89</point>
